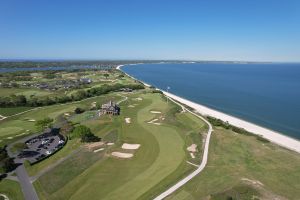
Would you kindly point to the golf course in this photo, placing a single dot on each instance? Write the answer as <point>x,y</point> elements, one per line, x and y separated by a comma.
<point>151,145</point>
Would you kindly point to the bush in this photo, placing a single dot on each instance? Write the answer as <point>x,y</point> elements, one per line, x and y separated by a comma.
<point>44,123</point>
<point>85,134</point>
<point>78,110</point>
<point>157,91</point>
<point>89,138</point>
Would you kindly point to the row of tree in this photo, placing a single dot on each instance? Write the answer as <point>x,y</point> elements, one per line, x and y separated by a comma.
<point>6,163</point>
<point>34,101</point>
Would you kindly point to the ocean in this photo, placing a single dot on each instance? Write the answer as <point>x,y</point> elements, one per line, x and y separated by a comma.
<point>264,94</point>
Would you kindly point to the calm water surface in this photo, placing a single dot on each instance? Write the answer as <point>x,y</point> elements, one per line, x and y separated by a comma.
<point>265,94</point>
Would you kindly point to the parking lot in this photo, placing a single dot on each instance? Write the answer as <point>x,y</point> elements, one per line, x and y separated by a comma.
<point>42,145</point>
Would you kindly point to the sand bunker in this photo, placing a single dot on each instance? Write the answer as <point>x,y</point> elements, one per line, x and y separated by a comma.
<point>94,145</point>
<point>127,120</point>
<point>155,112</point>
<point>130,146</point>
<point>97,150</point>
<point>154,122</point>
<point>21,134</point>
<point>192,148</point>
<point>122,155</point>
<point>67,114</point>
<point>31,120</point>
<point>192,155</point>
<point>110,143</point>
<point>138,99</point>
<point>252,181</point>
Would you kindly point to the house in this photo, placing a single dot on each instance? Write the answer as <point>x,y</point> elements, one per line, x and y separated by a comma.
<point>110,108</point>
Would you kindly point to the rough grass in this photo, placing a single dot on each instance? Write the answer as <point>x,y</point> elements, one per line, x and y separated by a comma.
<point>234,156</point>
<point>241,191</point>
<point>66,150</point>
<point>76,164</point>
<point>11,189</point>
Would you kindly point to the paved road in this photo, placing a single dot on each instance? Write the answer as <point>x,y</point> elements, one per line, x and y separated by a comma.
<point>201,166</point>
<point>27,187</point>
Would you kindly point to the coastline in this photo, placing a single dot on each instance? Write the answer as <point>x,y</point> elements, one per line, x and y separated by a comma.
<point>273,136</point>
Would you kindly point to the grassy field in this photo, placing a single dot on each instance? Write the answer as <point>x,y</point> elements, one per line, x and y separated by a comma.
<point>150,171</point>
<point>11,189</point>
<point>237,160</point>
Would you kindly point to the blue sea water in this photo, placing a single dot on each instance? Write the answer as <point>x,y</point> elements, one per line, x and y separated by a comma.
<point>265,94</point>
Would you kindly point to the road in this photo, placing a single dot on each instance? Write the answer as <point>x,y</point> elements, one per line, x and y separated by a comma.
<point>203,162</point>
<point>26,185</point>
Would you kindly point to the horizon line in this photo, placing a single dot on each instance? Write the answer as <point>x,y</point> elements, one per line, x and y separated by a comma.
<point>87,59</point>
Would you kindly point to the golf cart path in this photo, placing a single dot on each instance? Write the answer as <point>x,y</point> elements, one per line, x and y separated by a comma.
<point>26,185</point>
<point>200,167</point>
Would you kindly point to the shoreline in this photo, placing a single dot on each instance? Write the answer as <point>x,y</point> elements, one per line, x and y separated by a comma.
<point>273,136</point>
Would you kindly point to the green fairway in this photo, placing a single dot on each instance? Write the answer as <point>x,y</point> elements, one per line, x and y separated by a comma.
<point>150,171</point>
<point>23,91</point>
<point>11,189</point>
<point>236,160</point>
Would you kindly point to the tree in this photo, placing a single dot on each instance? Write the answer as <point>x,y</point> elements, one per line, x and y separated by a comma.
<point>85,134</point>
<point>78,110</point>
<point>8,164</point>
<point>106,75</point>
<point>90,138</point>
<point>80,131</point>
<point>44,123</point>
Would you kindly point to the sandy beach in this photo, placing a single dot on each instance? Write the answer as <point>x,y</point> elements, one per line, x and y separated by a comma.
<point>273,136</point>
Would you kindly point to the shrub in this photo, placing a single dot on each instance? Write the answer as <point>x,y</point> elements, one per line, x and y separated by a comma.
<point>78,110</point>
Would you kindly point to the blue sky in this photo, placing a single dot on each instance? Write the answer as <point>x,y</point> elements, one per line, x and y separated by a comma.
<point>254,30</point>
